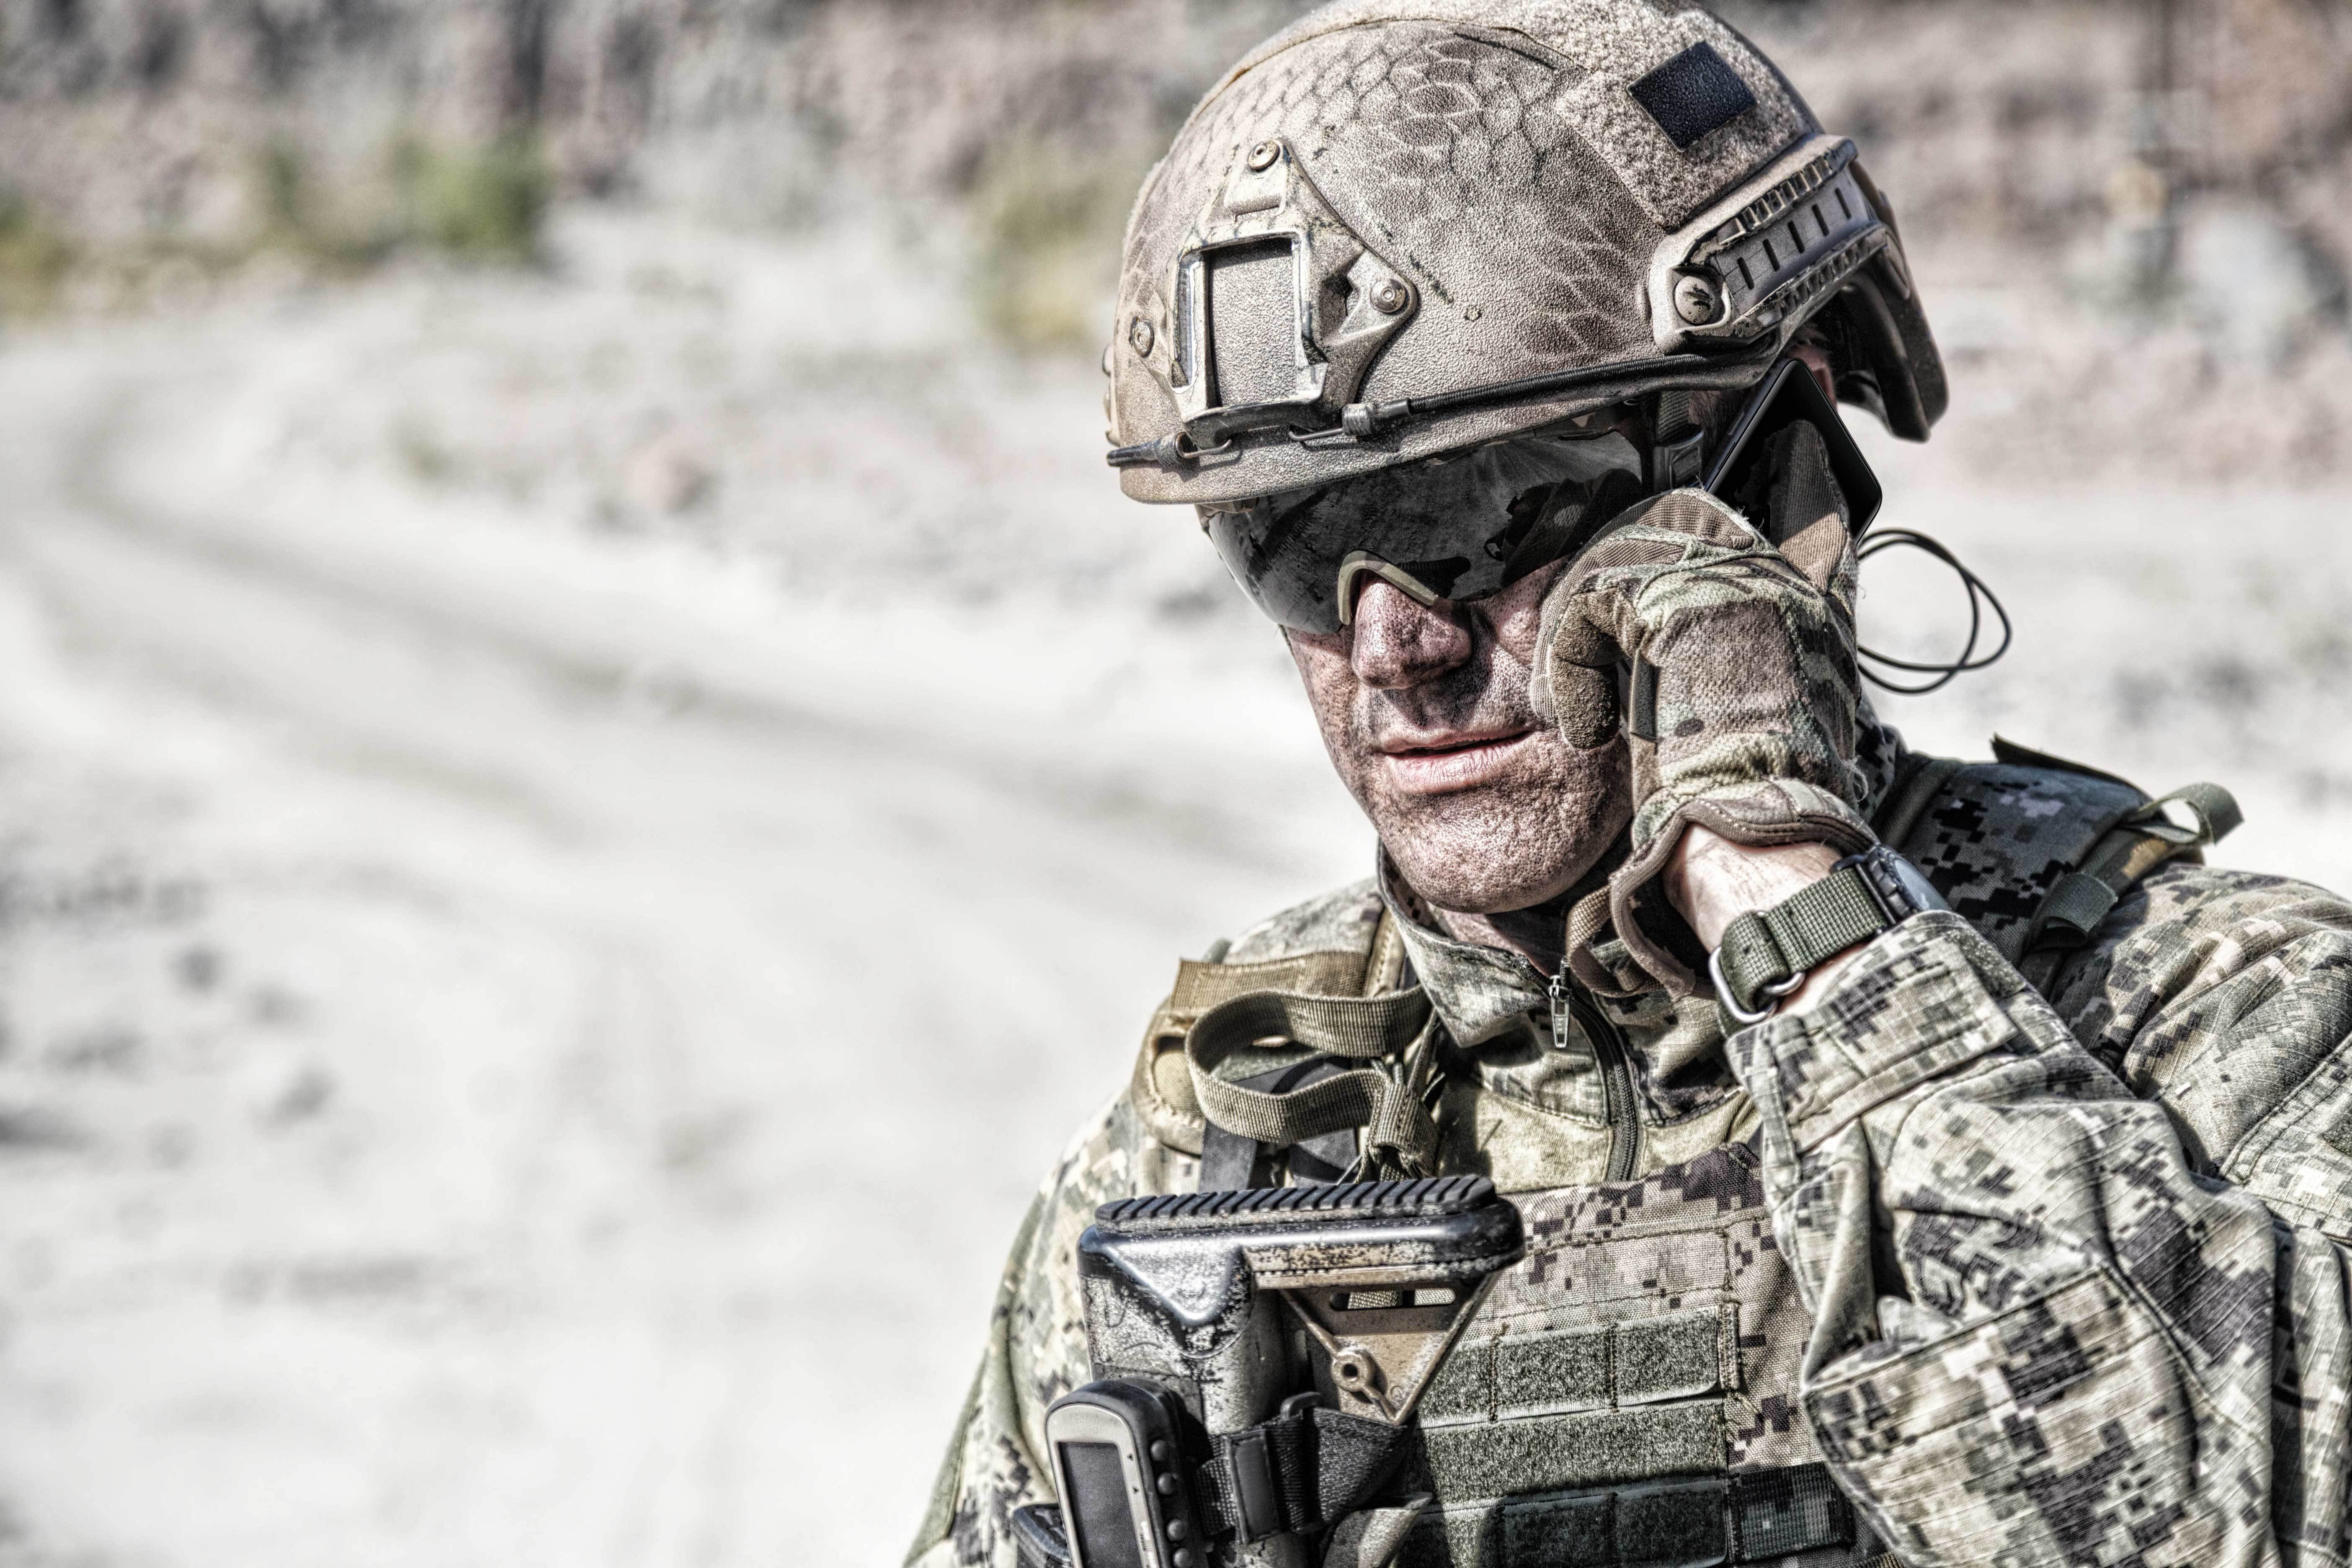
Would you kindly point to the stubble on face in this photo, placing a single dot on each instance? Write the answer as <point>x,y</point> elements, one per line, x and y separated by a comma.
<point>1426,713</point>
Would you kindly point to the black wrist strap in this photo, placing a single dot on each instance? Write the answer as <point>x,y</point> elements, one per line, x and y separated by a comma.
<point>1767,954</point>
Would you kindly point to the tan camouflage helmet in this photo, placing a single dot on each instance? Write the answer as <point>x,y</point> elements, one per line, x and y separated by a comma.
<point>1400,227</point>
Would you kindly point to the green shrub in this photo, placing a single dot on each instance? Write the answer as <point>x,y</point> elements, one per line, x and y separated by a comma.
<point>1045,229</point>
<point>488,203</point>
<point>34,258</point>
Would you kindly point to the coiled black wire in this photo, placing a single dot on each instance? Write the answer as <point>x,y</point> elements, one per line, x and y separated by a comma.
<point>1979,598</point>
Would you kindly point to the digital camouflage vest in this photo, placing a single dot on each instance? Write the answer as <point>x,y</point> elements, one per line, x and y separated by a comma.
<point>1627,1392</point>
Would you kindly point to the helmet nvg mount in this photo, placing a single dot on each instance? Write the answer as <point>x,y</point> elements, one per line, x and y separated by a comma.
<point>1400,229</point>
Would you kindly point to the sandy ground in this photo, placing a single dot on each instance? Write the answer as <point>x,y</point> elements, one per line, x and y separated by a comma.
<point>571,846</point>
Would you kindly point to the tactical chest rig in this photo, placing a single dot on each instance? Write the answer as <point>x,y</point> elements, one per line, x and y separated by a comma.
<point>1626,1392</point>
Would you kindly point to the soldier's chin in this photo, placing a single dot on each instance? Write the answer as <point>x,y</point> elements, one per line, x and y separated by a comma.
<point>1484,852</point>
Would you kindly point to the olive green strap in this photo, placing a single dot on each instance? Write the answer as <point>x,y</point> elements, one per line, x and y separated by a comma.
<point>2215,809</point>
<point>1377,1097</point>
<point>1161,1088</point>
<point>1766,954</point>
<point>2145,840</point>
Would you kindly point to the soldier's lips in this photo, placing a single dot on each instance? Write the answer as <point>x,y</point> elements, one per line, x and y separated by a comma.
<point>1442,764</point>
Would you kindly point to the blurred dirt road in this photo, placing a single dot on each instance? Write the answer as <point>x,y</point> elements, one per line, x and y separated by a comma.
<point>497,1070</point>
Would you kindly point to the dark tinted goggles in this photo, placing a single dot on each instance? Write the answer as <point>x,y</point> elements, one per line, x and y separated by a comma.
<point>1457,528</point>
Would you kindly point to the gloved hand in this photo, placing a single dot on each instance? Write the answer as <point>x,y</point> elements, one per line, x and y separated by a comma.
<point>1740,711</point>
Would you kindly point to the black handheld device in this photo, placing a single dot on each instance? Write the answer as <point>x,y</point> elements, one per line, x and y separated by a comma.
<point>1118,1458</point>
<point>1789,395</point>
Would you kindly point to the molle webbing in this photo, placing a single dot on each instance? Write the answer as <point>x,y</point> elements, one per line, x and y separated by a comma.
<point>1593,1366</point>
<point>1544,1453</point>
<point>1628,1393</point>
<point>1752,1516</point>
<point>1581,1405</point>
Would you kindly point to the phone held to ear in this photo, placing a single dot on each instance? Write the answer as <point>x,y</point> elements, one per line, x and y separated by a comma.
<point>1789,395</point>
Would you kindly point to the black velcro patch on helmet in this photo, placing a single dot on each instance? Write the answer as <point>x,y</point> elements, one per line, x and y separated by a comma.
<point>1693,94</point>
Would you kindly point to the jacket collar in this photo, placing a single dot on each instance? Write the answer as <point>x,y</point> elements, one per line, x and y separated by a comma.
<point>1479,992</point>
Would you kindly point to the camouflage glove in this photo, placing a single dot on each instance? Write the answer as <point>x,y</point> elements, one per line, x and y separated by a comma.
<point>1739,709</point>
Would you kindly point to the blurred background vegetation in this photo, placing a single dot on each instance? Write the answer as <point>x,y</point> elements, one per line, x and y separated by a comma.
<point>2135,214</point>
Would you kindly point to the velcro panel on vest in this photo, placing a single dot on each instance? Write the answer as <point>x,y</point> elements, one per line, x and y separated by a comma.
<point>1551,1374</point>
<point>1580,1528</point>
<point>1601,1366</point>
<point>1677,1355</point>
<point>1579,1407</point>
<point>1755,1516</point>
<point>1548,1453</point>
<point>1574,1407</point>
<point>1671,1521</point>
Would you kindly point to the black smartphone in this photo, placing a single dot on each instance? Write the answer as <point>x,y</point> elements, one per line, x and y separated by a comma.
<point>1789,396</point>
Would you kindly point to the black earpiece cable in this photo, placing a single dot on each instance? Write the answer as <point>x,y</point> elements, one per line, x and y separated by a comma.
<point>1979,597</point>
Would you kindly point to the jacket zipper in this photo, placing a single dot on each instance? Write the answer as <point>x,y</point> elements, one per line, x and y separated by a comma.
<point>1616,1073</point>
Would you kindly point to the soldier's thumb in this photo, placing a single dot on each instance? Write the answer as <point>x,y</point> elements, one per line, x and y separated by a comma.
<point>1573,684</point>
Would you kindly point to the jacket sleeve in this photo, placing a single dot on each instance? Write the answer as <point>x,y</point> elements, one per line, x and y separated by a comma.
<point>2227,996</point>
<point>1036,1349</point>
<point>2044,1331</point>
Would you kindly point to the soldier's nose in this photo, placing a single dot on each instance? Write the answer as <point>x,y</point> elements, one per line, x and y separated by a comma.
<point>1399,642</point>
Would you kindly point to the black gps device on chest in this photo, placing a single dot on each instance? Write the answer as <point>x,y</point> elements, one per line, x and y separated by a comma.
<point>1118,1452</point>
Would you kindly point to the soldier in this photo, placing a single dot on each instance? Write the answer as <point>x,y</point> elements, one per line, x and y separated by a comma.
<point>1988,1217</point>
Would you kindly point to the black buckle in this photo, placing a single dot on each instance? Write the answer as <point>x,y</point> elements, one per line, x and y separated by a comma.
<point>1898,888</point>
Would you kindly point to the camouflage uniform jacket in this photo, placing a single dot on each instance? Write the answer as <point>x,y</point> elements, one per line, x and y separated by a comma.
<point>2071,1256</point>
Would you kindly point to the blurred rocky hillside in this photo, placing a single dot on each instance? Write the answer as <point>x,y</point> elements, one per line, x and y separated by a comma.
<point>2133,217</point>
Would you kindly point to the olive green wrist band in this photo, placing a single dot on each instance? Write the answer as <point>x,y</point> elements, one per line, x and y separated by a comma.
<point>1765,955</point>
